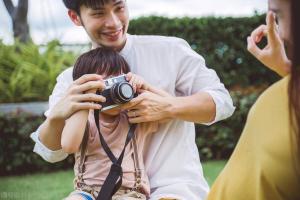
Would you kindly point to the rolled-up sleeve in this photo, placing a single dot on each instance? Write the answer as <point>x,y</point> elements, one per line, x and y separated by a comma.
<point>193,76</point>
<point>64,80</point>
<point>47,154</point>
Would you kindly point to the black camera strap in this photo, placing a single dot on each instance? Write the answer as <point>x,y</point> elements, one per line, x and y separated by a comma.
<point>113,181</point>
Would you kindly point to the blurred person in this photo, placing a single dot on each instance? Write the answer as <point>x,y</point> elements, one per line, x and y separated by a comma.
<point>266,161</point>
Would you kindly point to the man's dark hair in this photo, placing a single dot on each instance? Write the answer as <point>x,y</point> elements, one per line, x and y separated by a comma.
<point>75,4</point>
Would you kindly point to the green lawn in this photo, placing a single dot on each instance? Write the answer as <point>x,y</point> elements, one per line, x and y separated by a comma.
<point>57,185</point>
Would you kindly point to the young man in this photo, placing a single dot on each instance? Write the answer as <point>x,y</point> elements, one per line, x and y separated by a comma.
<point>171,155</point>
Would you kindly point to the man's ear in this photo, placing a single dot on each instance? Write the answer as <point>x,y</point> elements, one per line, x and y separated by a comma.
<point>75,17</point>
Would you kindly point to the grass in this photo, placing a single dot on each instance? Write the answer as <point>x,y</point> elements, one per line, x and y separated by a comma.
<point>57,185</point>
<point>212,169</point>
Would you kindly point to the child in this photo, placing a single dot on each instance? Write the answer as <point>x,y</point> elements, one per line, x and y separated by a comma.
<point>80,135</point>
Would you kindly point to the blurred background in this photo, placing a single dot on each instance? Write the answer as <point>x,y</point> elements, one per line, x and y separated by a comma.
<point>48,19</point>
<point>32,56</point>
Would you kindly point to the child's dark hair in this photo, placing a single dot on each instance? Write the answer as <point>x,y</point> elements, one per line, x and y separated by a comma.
<point>75,4</point>
<point>102,61</point>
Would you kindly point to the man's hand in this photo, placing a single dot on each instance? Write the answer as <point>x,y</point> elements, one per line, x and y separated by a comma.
<point>137,82</point>
<point>273,55</point>
<point>79,97</point>
<point>148,107</point>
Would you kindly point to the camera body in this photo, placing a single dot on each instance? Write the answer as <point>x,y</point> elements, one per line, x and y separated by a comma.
<point>117,91</point>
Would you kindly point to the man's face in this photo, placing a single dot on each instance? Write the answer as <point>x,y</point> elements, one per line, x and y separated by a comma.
<point>108,25</point>
<point>283,14</point>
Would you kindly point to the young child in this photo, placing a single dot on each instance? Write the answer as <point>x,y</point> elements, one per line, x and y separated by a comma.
<point>80,134</point>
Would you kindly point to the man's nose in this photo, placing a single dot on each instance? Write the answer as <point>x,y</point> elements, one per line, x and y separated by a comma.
<point>112,21</point>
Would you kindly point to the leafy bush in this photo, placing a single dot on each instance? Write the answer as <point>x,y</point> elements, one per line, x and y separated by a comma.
<point>28,73</point>
<point>221,41</point>
<point>16,146</point>
<point>218,141</point>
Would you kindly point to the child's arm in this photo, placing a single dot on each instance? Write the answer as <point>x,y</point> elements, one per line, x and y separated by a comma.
<point>74,128</point>
<point>73,131</point>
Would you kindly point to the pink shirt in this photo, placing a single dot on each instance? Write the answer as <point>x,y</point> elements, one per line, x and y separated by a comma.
<point>97,163</point>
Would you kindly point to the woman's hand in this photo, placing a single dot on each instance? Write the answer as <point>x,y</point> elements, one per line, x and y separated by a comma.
<point>273,55</point>
<point>79,96</point>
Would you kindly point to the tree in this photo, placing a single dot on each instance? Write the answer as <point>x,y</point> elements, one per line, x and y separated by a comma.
<point>18,15</point>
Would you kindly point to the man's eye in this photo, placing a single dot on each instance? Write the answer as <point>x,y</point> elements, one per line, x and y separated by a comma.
<point>98,14</point>
<point>121,8</point>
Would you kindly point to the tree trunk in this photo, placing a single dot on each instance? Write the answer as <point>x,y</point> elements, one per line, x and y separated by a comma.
<point>18,15</point>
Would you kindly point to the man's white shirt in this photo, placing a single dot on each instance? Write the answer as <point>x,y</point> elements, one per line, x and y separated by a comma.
<point>171,159</point>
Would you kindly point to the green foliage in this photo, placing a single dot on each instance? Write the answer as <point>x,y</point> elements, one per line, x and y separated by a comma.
<point>39,186</point>
<point>218,141</point>
<point>16,146</point>
<point>28,73</point>
<point>221,41</point>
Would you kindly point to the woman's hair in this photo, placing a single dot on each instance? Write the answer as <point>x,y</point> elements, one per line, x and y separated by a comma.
<point>294,84</point>
<point>102,61</point>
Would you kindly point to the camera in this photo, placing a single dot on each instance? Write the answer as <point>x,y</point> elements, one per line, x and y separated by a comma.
<point>117,91</point>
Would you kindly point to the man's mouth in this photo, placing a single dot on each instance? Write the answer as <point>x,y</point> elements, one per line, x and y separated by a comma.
<point>113,34</point>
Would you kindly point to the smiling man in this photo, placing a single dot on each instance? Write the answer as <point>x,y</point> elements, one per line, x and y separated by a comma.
<point>196,96</point>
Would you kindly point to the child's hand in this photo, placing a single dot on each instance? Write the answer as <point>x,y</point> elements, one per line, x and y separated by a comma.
<point>273,55</point>
<point>137,82</point>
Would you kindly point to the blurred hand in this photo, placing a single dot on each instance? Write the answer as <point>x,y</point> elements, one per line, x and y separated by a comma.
<point>79,96</point>
<point>273,55</point>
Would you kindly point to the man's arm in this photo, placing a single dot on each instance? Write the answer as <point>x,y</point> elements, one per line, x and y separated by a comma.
<point>198,108</point>
<point>200,96</point>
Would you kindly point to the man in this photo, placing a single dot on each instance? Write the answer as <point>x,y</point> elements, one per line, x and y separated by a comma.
<point>171,155</point>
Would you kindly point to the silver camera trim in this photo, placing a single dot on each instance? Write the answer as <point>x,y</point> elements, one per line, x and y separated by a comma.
<point>111,81</point>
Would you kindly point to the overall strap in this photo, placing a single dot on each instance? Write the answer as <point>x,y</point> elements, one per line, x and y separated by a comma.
<point>138,171</point>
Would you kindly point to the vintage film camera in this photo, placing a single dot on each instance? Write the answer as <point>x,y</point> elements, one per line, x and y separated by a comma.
<point>117,91</point>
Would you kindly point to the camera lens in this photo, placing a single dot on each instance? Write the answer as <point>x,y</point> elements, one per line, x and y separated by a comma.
<point>126,91</point>
<point>122,92</point>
